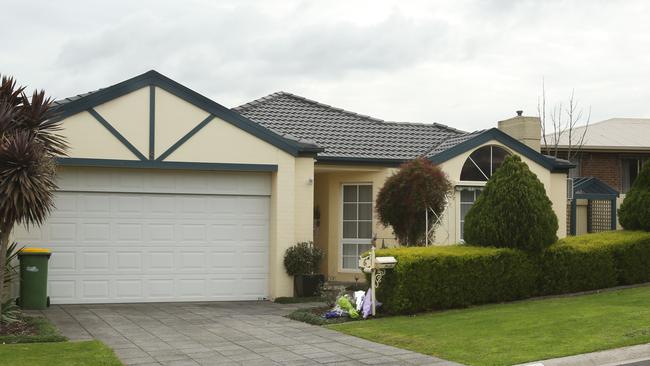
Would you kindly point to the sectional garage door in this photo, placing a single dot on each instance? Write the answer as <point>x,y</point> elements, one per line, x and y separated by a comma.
<point>135,235</point>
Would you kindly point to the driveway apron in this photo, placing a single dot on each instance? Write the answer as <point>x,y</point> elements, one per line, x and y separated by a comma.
<point>221,333</point>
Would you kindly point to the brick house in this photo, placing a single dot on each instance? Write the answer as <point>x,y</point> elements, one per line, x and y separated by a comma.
<point>613,151</point>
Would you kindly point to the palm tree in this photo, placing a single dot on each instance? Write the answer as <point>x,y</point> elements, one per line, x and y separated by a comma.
<point>29,144</point>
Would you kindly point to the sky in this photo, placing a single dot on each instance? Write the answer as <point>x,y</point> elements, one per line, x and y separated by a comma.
<point>466,64</point>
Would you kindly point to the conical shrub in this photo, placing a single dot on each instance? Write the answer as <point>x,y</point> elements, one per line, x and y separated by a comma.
<point>634,213</point>
<point>513,211</point>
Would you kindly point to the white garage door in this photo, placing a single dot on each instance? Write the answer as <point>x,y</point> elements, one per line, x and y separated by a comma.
<point>140,235</point>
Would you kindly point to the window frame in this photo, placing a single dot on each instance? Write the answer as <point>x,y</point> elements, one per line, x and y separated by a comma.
<point>468,158</point>
<point>460,189</point>
<point>354,241</point>
<point>626,183</point>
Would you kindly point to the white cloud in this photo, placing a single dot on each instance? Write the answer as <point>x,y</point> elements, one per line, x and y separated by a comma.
<point>463,63</point>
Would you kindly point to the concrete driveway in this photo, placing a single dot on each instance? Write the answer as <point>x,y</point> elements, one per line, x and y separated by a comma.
<point>221,333</point>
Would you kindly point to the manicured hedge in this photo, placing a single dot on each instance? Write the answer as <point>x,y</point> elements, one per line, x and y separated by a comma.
<point>629,252</point>
<point>458,276</point>
<point>454,276</point>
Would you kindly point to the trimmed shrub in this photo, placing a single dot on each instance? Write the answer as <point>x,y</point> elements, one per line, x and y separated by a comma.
<point>402,201</point>
<point>566,268</point>
<point>302,259</point>
<point>634,213</point>
<point>435,278</point>
<point>454,276</point>
<point>629,252</point>
<point>513,211</point>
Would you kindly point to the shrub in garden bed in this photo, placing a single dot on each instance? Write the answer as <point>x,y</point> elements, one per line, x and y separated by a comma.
<point>458,276</point>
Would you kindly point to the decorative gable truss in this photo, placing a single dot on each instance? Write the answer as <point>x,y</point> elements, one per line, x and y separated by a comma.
<point>150,121</point>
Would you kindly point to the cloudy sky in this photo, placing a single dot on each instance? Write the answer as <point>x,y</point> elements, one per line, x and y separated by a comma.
<point>462,63</point>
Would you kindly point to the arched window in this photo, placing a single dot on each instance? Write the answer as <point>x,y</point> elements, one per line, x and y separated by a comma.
<point>482,163</point>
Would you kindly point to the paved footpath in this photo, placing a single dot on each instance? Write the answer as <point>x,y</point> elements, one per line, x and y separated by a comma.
<point>627,356</point>
<point>221,333</point>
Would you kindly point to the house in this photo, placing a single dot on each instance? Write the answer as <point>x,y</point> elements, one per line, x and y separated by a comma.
<point>607,161</point>
<point>613,150</point>
<point>167,195</point>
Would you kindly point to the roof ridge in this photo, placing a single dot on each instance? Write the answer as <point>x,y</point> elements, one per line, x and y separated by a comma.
<point>355,114</point>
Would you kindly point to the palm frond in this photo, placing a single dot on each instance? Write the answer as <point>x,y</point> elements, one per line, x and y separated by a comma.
<point>27,179</point>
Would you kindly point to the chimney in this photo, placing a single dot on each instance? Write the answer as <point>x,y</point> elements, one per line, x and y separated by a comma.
<point>525,129</point>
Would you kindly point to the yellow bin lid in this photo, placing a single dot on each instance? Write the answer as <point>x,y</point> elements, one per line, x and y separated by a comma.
<point>35,251</point>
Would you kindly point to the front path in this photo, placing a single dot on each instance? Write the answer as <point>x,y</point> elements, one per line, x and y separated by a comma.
<point>221,333</point>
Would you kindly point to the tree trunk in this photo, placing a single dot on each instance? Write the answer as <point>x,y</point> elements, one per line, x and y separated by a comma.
<point>4,243</point>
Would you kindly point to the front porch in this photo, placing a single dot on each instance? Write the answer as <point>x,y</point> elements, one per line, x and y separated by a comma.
<point>345,221</point>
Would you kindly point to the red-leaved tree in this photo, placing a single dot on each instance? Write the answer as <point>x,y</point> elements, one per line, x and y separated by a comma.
<point>403,200</point>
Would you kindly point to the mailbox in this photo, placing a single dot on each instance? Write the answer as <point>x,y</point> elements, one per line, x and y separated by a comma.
<point>385,262</point>
<point>377,267</point>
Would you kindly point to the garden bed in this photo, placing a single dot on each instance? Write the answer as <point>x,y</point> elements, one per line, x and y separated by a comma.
<point>314,316</point>
<point>30,330</point>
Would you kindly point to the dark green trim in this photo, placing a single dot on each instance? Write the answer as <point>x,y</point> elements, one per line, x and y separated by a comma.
<point>355,161</point>
<point>179,165</point>
<point>574,215</point>
<point>185,138</point>
<point>152,122</point>
<point>509,141</point>
<point>153,78</point>
<point>593,196</point>
<point>117,135</point>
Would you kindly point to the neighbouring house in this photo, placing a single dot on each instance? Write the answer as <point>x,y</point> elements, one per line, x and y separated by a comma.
<point>167,195</point>
<point>611,155</point>
<point>613,150</point>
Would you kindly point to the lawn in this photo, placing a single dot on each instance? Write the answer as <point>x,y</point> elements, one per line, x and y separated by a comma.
<point>507,334</point>
<point>58,354</point>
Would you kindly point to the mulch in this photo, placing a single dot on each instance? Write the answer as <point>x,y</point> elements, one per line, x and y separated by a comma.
<point>18,328</point>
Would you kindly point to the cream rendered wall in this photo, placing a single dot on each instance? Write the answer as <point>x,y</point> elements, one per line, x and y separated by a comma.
<point>129,115</point>
<point>174,119</point>
<point>558,196</point>
<point>328,197</point>
<point>221,142</point>
<point>89,139</point>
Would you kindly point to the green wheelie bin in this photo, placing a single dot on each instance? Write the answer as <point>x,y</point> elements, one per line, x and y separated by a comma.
<point>33,278</point>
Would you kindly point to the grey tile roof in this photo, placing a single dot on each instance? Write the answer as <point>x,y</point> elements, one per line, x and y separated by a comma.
<point>63,101</point>
<point>345,134</point>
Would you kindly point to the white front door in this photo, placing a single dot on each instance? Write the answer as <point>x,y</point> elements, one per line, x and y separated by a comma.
<point>143,236</point>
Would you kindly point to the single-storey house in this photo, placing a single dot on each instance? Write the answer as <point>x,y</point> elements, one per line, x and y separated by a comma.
<point>167,195</point>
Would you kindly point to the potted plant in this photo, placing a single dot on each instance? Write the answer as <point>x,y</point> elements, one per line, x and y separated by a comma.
<point>302,261</point>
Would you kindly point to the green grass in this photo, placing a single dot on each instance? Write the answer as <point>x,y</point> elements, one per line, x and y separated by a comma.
<point>47,332</point>
<point>58,354</point>
<point>506,334</point>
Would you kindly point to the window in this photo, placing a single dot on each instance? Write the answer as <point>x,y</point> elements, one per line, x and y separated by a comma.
<point>575,172</point>
<point>631,168</point>
<point>482,163</point>
<point>357,223</point>
<point>467,198</point>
